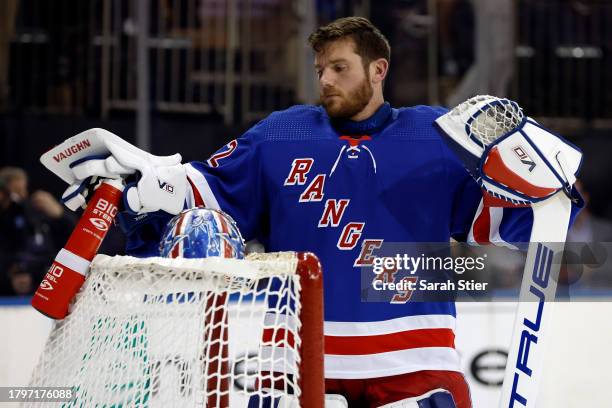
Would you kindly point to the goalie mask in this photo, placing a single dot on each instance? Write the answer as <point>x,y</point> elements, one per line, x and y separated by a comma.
<point>202,233</point>
<point>510,155</point>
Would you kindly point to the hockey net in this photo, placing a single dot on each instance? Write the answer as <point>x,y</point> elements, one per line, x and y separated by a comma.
<point>213,332</point>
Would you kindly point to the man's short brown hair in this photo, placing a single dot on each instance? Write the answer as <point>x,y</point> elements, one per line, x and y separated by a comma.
<point>370,43</point>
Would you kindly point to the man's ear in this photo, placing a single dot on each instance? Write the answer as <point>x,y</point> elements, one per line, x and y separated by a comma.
<point>378,70</point>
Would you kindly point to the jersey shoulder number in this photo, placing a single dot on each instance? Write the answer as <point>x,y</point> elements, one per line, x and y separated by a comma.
<point>224,152</point>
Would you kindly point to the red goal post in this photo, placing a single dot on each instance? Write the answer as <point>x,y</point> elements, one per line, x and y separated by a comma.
<point>148,332</point>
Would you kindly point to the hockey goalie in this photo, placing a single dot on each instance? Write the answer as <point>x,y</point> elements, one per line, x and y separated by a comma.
<point>342,178</point>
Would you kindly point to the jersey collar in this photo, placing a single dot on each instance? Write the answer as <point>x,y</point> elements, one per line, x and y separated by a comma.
<point>369,126</point>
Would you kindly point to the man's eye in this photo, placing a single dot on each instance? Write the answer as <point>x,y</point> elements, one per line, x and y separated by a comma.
<point>339,68</point>
<point>319,73</point>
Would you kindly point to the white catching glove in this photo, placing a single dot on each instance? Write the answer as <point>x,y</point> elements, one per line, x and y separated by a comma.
<point>510,155</point>
<point>97,153</point>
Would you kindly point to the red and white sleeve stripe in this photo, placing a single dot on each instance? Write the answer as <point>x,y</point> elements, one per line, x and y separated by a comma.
<point>199,192</point>
<point>488,219</point>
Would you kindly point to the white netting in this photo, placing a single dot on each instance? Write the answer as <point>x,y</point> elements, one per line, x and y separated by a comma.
<point>496,117</point>
<point>162,332</point>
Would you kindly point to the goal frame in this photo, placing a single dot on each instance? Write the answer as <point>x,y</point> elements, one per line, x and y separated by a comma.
<point>312,377</point>
<point>305,271</point>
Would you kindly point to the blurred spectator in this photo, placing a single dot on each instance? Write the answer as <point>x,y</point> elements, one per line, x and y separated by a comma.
<point>32,230</point>
<point>588,227</point>
<point>587,260</point>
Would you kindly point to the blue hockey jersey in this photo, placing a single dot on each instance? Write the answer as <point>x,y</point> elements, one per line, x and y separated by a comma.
<point>299,181</point>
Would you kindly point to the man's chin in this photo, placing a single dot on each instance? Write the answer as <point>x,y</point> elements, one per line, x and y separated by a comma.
<point>336,110</point>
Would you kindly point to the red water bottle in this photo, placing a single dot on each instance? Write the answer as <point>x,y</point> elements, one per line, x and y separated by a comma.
<point>71,265</point>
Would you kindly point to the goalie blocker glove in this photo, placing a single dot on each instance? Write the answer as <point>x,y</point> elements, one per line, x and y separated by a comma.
<point>510,155</point>
<point>160,182</point>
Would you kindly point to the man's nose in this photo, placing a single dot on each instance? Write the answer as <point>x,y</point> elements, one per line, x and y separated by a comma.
<point>327,78</point>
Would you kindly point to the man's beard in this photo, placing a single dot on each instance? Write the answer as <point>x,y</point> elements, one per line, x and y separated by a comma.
<point>345,107</point>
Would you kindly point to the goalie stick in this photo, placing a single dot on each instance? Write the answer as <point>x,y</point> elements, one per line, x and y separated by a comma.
<point>525,363</point>
<point>515,159</point>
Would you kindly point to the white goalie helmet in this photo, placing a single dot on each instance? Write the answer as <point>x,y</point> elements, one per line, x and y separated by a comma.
<point>509,154</point>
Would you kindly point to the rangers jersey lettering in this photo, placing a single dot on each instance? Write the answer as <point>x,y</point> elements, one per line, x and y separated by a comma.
<point>300,182</point>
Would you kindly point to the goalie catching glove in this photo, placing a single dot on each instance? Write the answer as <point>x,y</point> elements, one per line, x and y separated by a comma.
<point>510,155</point>
<point>160,181</point>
